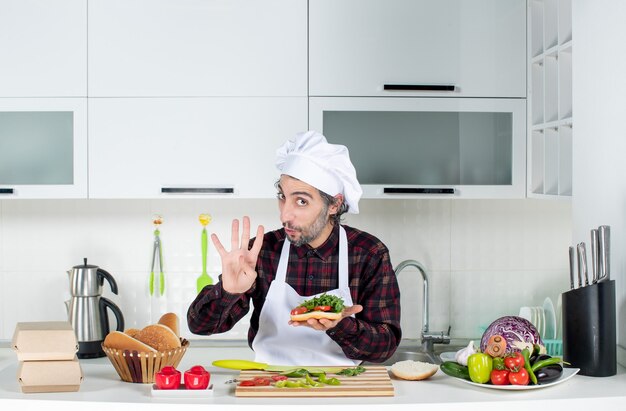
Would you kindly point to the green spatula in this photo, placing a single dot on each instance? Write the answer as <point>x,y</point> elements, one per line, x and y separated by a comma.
<point>204,278</point>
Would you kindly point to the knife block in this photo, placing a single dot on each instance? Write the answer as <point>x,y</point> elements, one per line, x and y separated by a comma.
<point>589,329</point>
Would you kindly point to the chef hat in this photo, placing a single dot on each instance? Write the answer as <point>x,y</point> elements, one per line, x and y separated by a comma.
<point>327,167</point>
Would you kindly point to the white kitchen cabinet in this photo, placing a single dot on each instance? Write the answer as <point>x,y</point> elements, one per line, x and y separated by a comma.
<point>44,48</point>
<point>189,147</point>
<point>550,99</point>
<point>43,148</point>
<point>183,48</point>
<point>359,46</point>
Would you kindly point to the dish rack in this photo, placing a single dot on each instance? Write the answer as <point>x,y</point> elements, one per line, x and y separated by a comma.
<point>554,348</point>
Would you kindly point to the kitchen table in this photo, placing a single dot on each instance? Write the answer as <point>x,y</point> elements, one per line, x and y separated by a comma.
<point>103,390</point>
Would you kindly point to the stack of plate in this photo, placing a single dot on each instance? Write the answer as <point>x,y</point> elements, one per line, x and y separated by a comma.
<point>543,318</point>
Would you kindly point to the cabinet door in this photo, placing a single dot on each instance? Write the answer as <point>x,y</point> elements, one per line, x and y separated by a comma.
<point>358,46</point>
<point>43,148</point>
<point>191,147</point>
<point>44,48</point>
<point>183,48</point>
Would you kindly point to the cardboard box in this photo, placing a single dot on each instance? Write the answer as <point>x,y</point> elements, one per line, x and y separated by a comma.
<point>39,341</point>
<point>49,376</point>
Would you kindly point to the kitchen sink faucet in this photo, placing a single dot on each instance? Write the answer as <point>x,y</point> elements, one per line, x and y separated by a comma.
<point>428,338</point>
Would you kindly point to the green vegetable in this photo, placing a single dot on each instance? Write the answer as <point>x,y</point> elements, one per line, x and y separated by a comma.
<point>454,369</point>
<point>498,363</point>
<point>329,381</point>
<point>480,366</point>
<point>351,372</point>
<point>542,363</point>
<point>336,303</point>
<point>299,373</point>
<point>527,366</point>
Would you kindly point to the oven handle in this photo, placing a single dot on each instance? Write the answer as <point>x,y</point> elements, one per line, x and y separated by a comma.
<point>420,87</point>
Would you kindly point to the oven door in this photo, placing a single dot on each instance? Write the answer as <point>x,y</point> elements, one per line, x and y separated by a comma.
<point>429,147</point>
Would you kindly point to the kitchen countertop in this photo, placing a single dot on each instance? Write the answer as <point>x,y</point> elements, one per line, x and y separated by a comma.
<point>102,389</point>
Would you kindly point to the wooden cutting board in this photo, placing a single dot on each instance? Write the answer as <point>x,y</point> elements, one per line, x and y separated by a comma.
<point>374,382</point>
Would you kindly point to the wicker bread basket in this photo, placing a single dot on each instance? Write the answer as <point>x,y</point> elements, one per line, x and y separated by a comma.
<point>133,366</point>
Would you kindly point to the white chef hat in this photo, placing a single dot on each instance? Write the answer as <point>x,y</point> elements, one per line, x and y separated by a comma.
<point>327,167</point>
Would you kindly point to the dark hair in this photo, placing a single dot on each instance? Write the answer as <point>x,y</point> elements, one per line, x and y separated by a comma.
<point>328,201</point>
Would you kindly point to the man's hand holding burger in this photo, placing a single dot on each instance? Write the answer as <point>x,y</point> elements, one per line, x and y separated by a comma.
<point>322,313</point>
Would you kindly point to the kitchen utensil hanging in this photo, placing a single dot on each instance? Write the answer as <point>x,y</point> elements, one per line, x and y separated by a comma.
<point>157,254</point>
<point>204,278</point>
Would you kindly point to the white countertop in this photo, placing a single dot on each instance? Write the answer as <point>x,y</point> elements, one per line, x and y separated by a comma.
<point>103,390</point>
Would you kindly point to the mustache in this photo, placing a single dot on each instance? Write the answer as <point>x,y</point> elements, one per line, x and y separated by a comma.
<point>292,227</point>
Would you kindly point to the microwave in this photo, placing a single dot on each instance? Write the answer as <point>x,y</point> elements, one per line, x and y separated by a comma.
<point>414,147</point>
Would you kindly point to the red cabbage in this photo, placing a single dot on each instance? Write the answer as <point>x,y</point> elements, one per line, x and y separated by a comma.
<point>513,329</point>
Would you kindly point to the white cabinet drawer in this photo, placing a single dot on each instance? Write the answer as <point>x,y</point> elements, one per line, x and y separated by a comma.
<point>43,148</point>
<point>140,148</point>
<point>182,48</point>
<point>359,46</point>
<point>44,48</point>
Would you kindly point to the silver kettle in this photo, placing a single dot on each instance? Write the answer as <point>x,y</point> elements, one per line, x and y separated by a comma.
<point>88,310</point>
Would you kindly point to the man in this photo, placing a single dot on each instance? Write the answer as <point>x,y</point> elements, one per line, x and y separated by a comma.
<point>312,254</point>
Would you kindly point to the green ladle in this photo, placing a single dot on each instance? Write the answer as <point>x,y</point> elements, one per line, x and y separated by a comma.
<point>204,279</point>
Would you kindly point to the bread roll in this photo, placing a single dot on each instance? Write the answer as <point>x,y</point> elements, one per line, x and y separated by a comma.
<point>122,341</point>
<point>132,331</point>
<point>316,314</point>
<point>170,320</point>
<point>159,337</point>
<point>413,370</point>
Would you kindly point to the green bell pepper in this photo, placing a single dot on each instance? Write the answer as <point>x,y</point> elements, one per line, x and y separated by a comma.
<point>480,366</point>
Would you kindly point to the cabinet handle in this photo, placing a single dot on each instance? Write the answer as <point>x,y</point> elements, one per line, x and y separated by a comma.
<point>420,87</point>
<point>197,190</point>
<point>6,191</point>
<point>397,190</point>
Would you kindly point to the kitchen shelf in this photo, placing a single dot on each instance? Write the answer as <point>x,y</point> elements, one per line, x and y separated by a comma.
<point>550,117</point>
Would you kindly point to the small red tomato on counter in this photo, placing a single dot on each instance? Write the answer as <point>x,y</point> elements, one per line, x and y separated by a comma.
<point>168,378</point>
<point>197,378</point>
<point>500,377</point>
<point>520,377</point>
<point>514,361</point>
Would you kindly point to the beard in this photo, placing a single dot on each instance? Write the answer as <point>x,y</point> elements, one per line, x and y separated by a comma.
<point>310,233</point>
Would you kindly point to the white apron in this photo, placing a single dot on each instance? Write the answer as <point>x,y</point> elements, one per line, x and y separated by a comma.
<point>279,343</point>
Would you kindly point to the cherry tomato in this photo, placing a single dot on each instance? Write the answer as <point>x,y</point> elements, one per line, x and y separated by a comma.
<point>259,381</point>
<point>500,377</point>
<point>279,377</point>
<point>322,308</point>
<point>247,383</point>
<point>514,361</point>
<point>519,378</point>
<point>298,311</point>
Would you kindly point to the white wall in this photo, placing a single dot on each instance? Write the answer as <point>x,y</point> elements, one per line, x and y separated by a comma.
<point>485,258</point>
<point>599,89</point>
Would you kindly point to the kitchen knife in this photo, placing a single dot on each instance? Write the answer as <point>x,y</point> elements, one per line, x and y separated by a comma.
<point>582,264</point>
<point>252,365</point>
<point>579,250</point>
<point>604,252</point>
<point>572,263</point>
<point>594,256</point>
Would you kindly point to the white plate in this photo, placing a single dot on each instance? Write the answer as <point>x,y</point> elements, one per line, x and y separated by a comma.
<point>567,374</point>
<point>448,356</point>
<point>181,392</point>
<point>548,308</point>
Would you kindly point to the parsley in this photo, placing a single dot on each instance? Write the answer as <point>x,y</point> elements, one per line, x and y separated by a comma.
<point>351,372</point>
<point>335,303</point>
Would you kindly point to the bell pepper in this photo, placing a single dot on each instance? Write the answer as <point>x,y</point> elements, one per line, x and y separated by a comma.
<point>480,366</point>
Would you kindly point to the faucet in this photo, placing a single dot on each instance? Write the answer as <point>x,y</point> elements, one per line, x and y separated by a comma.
<point>428,338</point>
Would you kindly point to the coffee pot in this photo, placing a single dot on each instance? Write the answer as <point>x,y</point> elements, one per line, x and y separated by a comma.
<point>88,310</point>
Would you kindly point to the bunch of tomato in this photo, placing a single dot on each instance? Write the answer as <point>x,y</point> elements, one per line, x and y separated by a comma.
<point>510,370</point>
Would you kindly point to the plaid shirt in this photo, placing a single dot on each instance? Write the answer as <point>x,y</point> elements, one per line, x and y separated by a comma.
<point>372,335</point>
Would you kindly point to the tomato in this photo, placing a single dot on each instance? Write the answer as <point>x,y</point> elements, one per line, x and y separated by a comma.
<point>519,378</point>
<point>514,361</point>
<point>500,377</point>
<point>247,383</point>
<point>479,366</point>
<point>322,308</point>
<point>298,310</point>
<point>259,381</point>
<point>279,377</point>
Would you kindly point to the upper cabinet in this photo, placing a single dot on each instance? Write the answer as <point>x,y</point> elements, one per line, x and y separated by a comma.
<point>44,48</point>
<point>454,48</point>
<point>190,48</point>
<point>550,99</point>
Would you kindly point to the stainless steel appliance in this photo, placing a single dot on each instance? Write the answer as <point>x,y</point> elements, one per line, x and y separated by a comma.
<point>87,309</point>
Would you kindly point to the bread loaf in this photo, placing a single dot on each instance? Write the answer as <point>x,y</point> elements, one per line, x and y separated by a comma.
<point>170,320</point>
<point>122,341</point>
<point>132,331</point>
<point>159,336</point>
<point>413,370</point>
